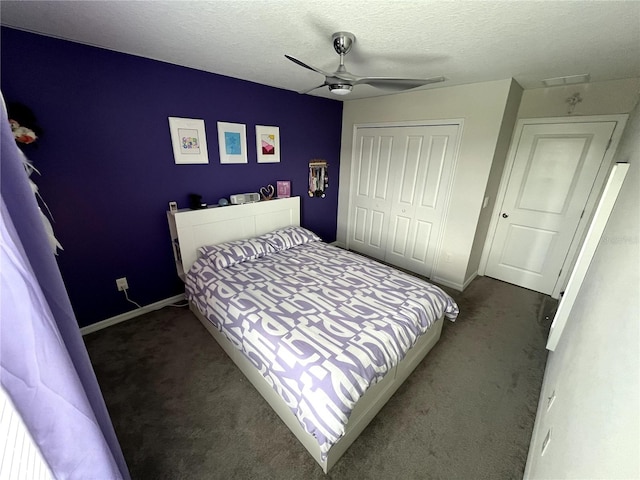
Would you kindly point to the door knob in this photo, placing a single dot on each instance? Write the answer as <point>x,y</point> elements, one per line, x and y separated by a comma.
<point>504,215</point>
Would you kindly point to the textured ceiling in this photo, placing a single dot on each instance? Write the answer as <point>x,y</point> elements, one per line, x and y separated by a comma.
<point>465,41</point>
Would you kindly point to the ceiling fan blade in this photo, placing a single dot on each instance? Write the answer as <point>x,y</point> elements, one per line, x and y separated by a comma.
<point>302,64</point>
<point>313,88</point>
<point>397,83</point>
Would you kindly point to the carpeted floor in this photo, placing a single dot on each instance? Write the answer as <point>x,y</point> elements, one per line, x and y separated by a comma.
<point>182,410</point>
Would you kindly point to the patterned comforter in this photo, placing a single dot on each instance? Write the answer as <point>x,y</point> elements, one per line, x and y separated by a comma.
<point>320,323</point>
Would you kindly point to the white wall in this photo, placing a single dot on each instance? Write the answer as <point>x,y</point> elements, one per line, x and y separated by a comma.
<point>481,106</point>
<point>495,175</point>
<point>595,369</point>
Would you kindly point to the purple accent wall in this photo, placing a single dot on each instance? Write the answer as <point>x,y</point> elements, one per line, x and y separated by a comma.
<point>107,163</point>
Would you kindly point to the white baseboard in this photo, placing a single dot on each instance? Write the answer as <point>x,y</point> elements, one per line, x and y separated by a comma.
<point>94,327</point>
<point>338,244</point>
<point>447,283</point>
<point>469,280</point>
<point>455,285</point>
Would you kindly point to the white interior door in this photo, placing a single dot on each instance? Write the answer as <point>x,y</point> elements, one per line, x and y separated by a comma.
<point>553,172</point>
<point>400,184</point>
<point>422,166</point>
<point>370,197</point>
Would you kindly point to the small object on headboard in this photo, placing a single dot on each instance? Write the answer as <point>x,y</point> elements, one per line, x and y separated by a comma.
<point>195,202</point>
<point>318,178</point>
<point>240,198</point>
<point>223,202</point>
<point>267,192</point>
<point>173,207</point>
<point>284,188</point>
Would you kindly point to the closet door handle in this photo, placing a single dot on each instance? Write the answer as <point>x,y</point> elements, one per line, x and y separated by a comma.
<point>504,215</point>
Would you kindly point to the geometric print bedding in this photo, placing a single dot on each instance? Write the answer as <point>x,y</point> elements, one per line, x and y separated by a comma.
<point>226,254</point>
<point>320,323</point>
<point>289,237</point>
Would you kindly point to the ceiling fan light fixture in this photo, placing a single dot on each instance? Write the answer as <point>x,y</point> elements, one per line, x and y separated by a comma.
<point>340,88</point>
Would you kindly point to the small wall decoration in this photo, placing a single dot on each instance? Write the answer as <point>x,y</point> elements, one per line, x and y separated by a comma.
<point>572,101</point>
<point>318,178</point>
<point>189,140</point>
<point>232,139</point>
<point>267,192</point>
<point>268,144</point>
<point>25,131</point>
<point>283,188</point>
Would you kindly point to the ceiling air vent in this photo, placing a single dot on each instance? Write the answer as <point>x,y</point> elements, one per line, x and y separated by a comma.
<point>570,80</point>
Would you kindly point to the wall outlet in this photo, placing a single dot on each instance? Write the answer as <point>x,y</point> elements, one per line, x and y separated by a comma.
<point>545,442</point>
<point>122,284</point>
<point>550,400</point>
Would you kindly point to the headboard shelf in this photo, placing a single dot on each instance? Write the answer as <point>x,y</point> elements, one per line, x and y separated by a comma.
<point>192,229</point>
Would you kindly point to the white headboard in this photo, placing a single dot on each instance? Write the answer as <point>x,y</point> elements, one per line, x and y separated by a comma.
<point>192,229</point>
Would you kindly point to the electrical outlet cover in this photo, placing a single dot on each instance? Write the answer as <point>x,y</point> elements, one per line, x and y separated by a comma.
<point>122,284</point>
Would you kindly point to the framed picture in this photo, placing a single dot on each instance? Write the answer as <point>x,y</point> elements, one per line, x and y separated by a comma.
<point>232,139</point>
<point>189,140</point>
<point>283,188</point>
<point>268,144</point>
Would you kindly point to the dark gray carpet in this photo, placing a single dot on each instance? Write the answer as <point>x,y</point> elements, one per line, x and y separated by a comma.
<point>182,410</point>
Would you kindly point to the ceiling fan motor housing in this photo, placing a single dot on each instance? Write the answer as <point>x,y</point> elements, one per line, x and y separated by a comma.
<point>342,42</point>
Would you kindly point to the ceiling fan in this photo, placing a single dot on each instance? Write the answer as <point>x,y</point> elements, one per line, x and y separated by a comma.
<point>341,82</point>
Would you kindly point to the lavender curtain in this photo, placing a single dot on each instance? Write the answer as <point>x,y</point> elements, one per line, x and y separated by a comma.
<point>44,366</point>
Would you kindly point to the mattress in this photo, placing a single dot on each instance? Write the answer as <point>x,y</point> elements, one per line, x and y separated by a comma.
<point>320,323</point>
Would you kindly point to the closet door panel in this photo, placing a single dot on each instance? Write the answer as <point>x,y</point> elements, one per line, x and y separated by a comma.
<point>421,242</point>
<point>407,165</point>
<point>399,236</point>
<point>424,157</point>
<point>364,167</point>
<point>377,229</point>
<point>383,166</point>
<point>370,201</point>
<point>410,162</point>
<point>435,171</point>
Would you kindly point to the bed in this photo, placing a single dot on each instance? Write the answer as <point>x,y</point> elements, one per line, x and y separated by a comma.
<point>325,335</point>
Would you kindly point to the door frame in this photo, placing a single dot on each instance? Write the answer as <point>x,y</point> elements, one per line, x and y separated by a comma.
<point>459,122</point>
<point>592,200</point>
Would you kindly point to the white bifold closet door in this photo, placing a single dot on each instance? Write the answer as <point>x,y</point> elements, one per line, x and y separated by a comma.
<point>400,182</point>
